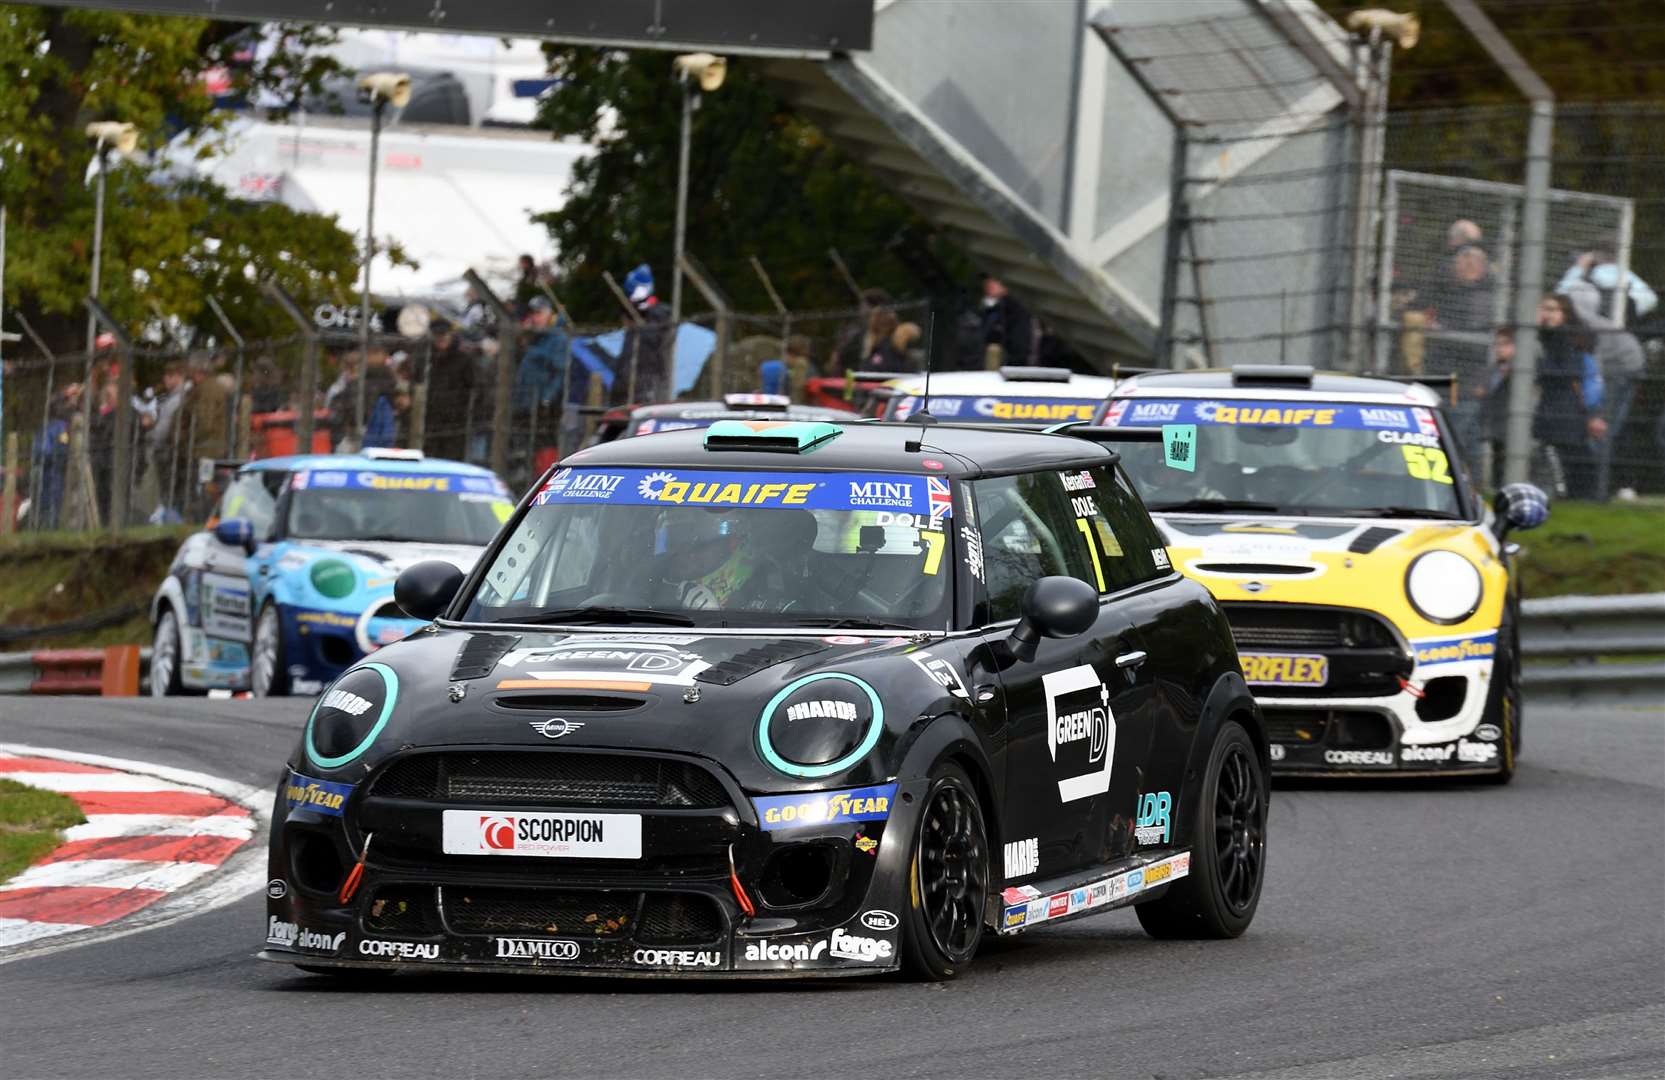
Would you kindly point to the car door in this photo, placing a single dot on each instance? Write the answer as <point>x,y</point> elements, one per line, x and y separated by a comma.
<point>1063,750</point>
<point>227,598</point>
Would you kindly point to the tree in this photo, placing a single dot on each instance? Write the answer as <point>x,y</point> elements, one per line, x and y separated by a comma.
<point>168,241</point>
<point>762,181</point>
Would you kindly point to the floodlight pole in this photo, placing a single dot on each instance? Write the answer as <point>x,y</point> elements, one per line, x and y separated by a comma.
<point>681,200</point>
<point>377,105</point>
<point>97,250</point>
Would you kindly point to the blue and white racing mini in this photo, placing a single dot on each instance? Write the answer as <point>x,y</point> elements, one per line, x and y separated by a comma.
<point>292,581</point>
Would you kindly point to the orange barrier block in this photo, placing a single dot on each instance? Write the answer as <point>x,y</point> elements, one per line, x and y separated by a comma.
<point>120,677</point>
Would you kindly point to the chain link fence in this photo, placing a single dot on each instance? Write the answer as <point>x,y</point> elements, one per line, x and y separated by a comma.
<point>1448,283</point>
<point>196,413</point>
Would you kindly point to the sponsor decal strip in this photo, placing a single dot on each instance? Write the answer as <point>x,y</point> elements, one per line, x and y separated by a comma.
<point>1449,650</point>
<point>1153,412</point>
<point>144,838</point>
<point>749,488</point>
<point>1108,892</point>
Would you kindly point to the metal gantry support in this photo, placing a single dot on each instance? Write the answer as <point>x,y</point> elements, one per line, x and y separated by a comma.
<point>1534,233</point>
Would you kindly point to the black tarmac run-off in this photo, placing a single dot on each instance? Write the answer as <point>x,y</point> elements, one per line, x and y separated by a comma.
<point>1407,930</point>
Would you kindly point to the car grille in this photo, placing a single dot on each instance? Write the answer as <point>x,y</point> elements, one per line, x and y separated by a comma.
<point>1336,729</point>
<point>1288,626</point>
<point>1366,658</point>
<point>550,777</point>
<point>651,918</point>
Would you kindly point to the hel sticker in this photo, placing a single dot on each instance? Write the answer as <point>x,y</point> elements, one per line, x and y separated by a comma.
<point>1427,463</point>
<point>1179,446</point>
<point>1280,669</point>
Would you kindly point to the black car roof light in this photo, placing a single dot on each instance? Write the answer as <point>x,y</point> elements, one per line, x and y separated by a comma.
<point>1271,375</point>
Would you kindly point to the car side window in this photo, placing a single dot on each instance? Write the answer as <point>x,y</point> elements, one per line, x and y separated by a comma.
<point>1028,533</point>
<point>253,496</point>
<point>1122,535</point>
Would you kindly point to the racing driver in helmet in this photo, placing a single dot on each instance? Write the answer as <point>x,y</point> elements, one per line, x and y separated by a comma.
<point>732,559</point>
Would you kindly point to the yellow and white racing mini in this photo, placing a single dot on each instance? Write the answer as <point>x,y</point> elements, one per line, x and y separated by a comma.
<point>1367,583</point>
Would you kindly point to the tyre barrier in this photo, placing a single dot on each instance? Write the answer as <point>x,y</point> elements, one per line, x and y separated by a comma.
<point>113,671</point>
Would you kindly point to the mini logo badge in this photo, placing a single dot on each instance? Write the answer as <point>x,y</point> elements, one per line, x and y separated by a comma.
<point>556,726</point>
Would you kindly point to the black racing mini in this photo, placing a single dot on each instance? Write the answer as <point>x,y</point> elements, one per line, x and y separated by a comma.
<point>781,699</point>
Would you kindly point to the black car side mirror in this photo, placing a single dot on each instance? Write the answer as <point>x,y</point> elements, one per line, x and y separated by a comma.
<point>1054,607</point>
<point>426,589</point>
<point>1521,506</point>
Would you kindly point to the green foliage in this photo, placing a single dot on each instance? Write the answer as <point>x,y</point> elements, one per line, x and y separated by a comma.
<point>1595,549</point>
<point>167,241</point>
<point>762,181</point>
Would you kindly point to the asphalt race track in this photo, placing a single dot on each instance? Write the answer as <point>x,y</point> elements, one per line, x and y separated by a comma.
<point>1405,931</point>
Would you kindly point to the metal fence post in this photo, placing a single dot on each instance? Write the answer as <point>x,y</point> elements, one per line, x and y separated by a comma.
<point>719,301</point>
<point>508,350</point>
<point>306,396</point>
<point>237,379</point>
<point>121,450</point>
<point>636,321</point>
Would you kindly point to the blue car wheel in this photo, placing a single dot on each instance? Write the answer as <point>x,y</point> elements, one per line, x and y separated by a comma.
<point>268,670</point>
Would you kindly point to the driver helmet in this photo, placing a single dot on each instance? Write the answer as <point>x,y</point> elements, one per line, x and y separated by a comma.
<point>693,543</point>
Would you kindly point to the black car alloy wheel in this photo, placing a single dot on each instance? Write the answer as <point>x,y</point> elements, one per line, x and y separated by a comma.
<point>1239,829</point>
<point>950,877</point>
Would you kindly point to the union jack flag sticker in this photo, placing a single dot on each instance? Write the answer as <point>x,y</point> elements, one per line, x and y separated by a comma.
<point>299,481</point>
<point>942,503</point>
<point>1425,421</point>
<point>1114,416</point>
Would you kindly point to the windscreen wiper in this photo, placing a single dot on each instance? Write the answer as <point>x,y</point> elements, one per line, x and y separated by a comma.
<point>853,624</point>
<point>603,614</point>
<point>1226,505</point>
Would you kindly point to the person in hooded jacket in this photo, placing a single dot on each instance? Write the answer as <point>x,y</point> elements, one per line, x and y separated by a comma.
<point>1620,357</point>
<point>1568,415</point>
<point>649,345</point>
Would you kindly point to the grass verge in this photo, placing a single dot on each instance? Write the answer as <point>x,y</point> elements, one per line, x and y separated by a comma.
<point>1596,549</point>
<point>31,822</point>
<point>47,578</point>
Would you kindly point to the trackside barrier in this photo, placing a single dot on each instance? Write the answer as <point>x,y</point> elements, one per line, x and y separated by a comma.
<point>1580,632</point>
<point>115,671</point>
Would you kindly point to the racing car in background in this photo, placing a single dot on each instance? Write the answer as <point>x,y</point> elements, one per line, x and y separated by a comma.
<point>1370,588</point>
<point>292,581</point>
<point>623,422</point>
<point>1027,396</point>
<point>781,699</point>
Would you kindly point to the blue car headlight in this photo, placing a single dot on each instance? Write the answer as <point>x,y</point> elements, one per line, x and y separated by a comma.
<point>820,724</point>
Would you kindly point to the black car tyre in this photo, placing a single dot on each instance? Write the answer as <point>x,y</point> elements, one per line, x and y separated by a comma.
<point>268,668</point>
<point>948,879</point>
<point>1228,849</point>
<point>165,653</point>
<point>1508,719</point>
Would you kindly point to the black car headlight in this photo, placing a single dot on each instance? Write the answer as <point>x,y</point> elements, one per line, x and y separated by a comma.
<point>350,714</point>
<point>1443,587</point>
<point>820,724</point>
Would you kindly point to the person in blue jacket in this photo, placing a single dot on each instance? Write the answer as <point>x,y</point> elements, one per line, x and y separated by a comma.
<point>1570,396</point>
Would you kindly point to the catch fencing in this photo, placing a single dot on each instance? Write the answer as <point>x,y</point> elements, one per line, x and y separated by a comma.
<point>199,408</point>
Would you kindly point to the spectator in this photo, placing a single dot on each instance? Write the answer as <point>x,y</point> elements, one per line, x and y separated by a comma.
<point>161,436</point>
<point>799,367</point>
<point>476,316</point>
<point>266,387</point>
<point>871,301</point>
<point>51,456</point>
<point>1621,360</point>
<point>1494,406</point>
<point>381,420</point>
<point>858,351</point>
<point>1599,266</point>
<point>543,364</point>
<point>648,347</point>
<point>1008,329</point>
<point>1460,234</point>
<point>1463,306</point>
<point>526,285</point>
<point>450,379</point>
<point>346,375</point>
<point>101,443</point>
<point>1569,396</point>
